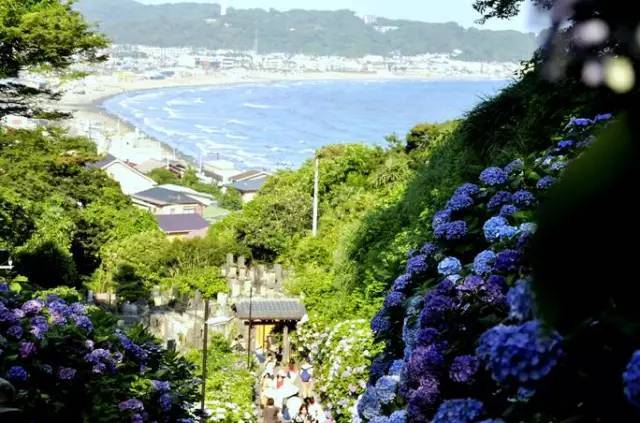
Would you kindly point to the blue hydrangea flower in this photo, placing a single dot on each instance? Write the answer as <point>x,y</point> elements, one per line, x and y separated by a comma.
<point>499,198</point>
<point>165,401</point>
<point>523,198</point>
<point>397,367</point>
<point>545,182</point>
<point>565,144</point>
<point>17,374</point>
<point>558,165</point>
<point>428,249</point>
<point>520,300</point>
<point>441,217</point>
<point>580,122</point>
<point>401,283</point>
<point>508,210</point>
<point>449,266</point>
<point>380,323</point>
<point>464,368</point>
<point>369,404</point>
<point>507,261</point>
<point>483,262</point>
<point>39,326</point>
<point>528,228</point>
<point>631,380</point>
<point>423,399</point>
<point>386,388</point>
<point>83,322</point>
<point>451,231</point>
<point>394,299</point>
<point>417,265</point>
<point>459,202</point>
<point>399,416</point>
<point>520,354</point>
<point>468,189</point>
<point>459,411</point>
<point>603,117</point>
<point>15,331</point>
<point>32,306</point>
<point>26,349</point>
<point>379,419</point>
<point>161,385</point>
<point>515,166</point>
<point>494,290</point>
<point>497,228</point>
<point>492,421</point>
<point>427,336</point>
<point>494,176</point>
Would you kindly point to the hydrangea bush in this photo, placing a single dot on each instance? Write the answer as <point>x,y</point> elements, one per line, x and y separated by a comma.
<point>461,326</point>
<point>69,363</point>
<point>341,358</point>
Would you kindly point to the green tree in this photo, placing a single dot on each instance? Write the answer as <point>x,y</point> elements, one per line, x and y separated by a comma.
<point>231,199</point>
<point>163,176</point>
<point>40,35</point>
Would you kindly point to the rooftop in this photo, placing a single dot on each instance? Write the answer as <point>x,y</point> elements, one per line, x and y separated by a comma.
<point>270,309</point>
<point>252,185</point>
<point>162,197</point>
<point>179,223</point>
<point>100,164</point>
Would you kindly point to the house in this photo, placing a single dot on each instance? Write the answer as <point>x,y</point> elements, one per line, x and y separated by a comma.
<point>215,213</point>
<point>250,175</point>
<point>220,170</point>
<point>130,179</point>
<point>182,225</point>
<point>151,164</point>
<point>248,189</point>
<point>161,201</point>
<point>204,198</point>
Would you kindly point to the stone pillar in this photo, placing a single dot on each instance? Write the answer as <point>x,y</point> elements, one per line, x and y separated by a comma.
<point>235,288</point>
<point>286,347</point>
<point>277,269</point>
<point>241,262</point>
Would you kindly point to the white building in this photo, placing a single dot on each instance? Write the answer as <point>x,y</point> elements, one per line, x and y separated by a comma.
<point>131,180</point>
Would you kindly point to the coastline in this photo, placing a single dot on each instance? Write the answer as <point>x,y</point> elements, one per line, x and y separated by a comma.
<point>113,134</point>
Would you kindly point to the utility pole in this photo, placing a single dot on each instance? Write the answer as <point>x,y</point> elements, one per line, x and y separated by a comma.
<point>203,417</point>
<point>250,322</point>
<point>314,231</point>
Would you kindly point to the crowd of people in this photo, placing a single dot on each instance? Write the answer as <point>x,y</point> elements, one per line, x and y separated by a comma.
<point>287,395</point>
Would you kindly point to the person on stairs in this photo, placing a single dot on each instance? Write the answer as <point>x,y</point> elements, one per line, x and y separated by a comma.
<point>315,411</point>
<point>270,412</point>
<point>303,415</point>
<point>306,380</point>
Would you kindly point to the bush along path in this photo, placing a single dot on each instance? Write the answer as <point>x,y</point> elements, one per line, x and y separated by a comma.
<point>462,341</point>
<point>68,362</point>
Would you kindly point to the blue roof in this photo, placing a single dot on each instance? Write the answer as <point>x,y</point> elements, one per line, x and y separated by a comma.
<point>252,185</point>
<point>163,196</point>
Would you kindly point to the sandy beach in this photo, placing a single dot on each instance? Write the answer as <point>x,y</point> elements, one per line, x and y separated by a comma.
<point>84,99</point>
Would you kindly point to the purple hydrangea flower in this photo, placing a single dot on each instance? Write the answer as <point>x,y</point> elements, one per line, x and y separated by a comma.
<point>425,360</point>
<point>132,404</point>
<point>427,336</point>
<point>137,418</point>
<point>493,176</point>
<point>17,374</point>
<point>77,308</point>
<point>459,411</point>
<point>423,399</point>
<point>428,249</point>
<point>520,354</point>
<point>603,117</point>
<point>483,262</point>
<point>507,261</point>
<point>7,316</point>
<point>499,198</point>
<point>66,373</point>
<point>545,182</point>
<point>494,290</point>
<point>580,122</point>
<point>165,402</point>
<point>464,368</point>
<point>449,266</point>
<point>39,326</point>
<point>15,331</point>
<point>631,380</point>
<point>26,349</point>
<point>83,322</point>
<point>135,350</point>
<point>32,306</point>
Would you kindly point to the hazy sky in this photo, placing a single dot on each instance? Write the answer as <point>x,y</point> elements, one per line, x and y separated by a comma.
<point>424,10</point>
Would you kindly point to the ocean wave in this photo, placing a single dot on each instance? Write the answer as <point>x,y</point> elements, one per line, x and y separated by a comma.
<point>236,137</point>
<point>179,102</point>
<point>257,106</point>
<point>173,114</point>
<point>209,129</point>
<point>238,122</point>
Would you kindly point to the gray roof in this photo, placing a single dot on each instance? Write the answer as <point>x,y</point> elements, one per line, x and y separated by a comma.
<point>252,185</point>
<point>163,197</point>
<point>100,164</point>
<point>270,309</point>
<point>172,223</point>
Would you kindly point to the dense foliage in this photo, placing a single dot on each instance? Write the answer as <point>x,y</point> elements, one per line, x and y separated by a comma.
<point>68,362</point>
<point>316,32</point>
<point>40,35</point>
<point>229,384</point>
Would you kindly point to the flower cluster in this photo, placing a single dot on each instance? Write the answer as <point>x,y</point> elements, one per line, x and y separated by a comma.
<point>474,326</point>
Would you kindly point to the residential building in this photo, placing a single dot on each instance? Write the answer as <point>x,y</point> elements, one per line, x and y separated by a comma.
<point>204,198</point>
<point>248,188</point>
<point>182,225</point>
<point>249,175</point>
<point>151,164</point>
<point>130,179</point>
<point>162,201</point>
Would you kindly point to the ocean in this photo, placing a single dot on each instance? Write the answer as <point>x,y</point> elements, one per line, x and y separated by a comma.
<point>279,125</point>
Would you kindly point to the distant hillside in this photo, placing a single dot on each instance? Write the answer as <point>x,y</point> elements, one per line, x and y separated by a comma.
<point>298,31</point>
